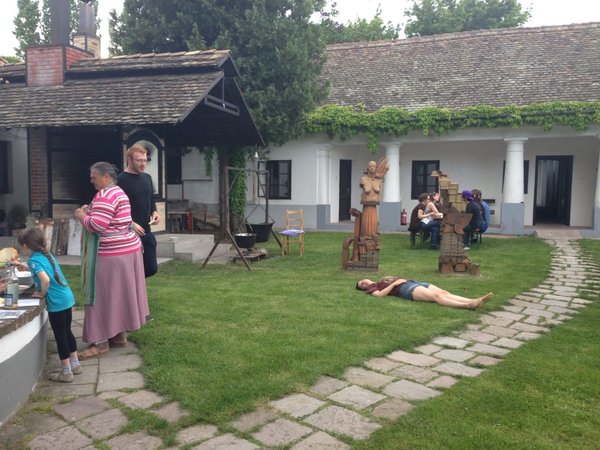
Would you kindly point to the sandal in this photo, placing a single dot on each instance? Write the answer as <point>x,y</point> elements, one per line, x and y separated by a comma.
<point>120,340</point>
<point>93,351</point>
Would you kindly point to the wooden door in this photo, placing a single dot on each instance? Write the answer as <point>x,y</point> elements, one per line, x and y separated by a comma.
<point>553,175</point>
<point>345,189</point>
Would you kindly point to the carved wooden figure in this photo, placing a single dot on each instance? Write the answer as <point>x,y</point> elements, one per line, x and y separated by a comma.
<point>365,241</point>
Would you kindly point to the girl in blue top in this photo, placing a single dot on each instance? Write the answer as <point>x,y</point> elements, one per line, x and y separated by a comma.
<point>51,284</point>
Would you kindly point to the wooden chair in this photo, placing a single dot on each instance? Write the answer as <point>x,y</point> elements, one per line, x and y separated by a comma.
<point>294,229</point>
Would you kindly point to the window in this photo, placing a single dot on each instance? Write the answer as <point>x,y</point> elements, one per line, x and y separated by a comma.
<point>525,175</point>
<point>4,173</point>
<point>280,179</point>
<point>422,181</point>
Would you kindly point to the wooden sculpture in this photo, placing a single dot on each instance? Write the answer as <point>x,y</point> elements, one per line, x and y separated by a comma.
<point>365,241</point>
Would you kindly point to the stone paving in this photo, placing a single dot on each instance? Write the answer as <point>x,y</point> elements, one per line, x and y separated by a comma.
<point>332,414</point>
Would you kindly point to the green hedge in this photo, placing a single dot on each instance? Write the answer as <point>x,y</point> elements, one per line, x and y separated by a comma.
<point>348,121</point>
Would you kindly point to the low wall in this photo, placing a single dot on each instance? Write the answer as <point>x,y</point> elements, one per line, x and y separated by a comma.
<point>22,357</point>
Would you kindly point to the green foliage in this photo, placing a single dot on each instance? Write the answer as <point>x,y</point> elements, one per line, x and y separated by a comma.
<point>428,17</point>
<point>26,24</point>
<point>12,59</point>
<point>32,23</point>
<point>237,188</point>
<point>44,25</point>
<point>359,30</point>
<point>345,122</point>
<point>275,45</point>
<point>209,153</point>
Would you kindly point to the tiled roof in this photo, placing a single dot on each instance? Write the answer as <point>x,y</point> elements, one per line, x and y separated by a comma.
<point>181,90</point>
<point>208,59</point>
<point>515,66</point>
<point>12,73</point>
<point>159,99</point>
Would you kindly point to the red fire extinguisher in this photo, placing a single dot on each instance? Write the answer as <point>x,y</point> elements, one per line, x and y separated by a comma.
<point>403,217</point>
<point>189,220</point>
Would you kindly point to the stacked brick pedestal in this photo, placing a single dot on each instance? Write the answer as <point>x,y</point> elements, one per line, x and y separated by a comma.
<point>453,258</point>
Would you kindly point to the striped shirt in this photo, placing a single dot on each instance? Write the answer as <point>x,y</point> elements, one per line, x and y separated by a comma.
<point>109,216</point>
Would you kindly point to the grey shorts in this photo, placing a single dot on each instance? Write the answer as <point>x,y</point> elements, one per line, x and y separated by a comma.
<point>406,289</point>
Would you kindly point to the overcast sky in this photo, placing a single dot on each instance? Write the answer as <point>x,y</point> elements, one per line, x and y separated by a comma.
<point>544,12</point>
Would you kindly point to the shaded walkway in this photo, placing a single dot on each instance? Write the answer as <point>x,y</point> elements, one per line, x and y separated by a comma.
<point>354,405</point>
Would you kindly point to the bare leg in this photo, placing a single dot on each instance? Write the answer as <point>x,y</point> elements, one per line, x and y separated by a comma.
<point>436,295</point>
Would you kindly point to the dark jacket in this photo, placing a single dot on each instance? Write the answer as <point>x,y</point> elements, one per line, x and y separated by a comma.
<point>415,223</point>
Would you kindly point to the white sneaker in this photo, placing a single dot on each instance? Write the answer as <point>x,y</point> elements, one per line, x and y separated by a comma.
<point>467,248</point>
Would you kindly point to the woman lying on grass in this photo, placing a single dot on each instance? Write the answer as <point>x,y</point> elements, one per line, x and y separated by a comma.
<point>420,292</point>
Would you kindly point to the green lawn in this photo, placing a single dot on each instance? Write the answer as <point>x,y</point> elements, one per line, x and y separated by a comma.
<point>225,340</point>
<point>545,395</point>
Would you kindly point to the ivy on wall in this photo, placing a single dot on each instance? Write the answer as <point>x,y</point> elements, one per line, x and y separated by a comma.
<point>348,121</point>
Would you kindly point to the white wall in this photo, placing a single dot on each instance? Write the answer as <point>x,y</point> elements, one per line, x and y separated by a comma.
<point>197,186</point>
<point>304,171</point>
<point>472,158</point>
<point>585,171</point>
<point>471,164</point>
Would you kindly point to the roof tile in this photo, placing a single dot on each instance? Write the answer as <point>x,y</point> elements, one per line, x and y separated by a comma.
<point>514,66</point>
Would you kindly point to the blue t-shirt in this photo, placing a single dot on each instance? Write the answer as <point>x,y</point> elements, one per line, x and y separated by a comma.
<point>58,297</point>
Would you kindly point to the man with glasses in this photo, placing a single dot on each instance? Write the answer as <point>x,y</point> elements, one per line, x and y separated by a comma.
<point>138,186</point>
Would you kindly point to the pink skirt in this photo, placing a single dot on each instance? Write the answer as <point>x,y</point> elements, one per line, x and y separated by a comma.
<point>121,299</point>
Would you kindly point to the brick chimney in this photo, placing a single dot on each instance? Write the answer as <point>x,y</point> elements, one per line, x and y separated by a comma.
<point>46,65</point>
<point>86,38</point>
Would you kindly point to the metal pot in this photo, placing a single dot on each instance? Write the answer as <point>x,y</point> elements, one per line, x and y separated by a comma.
<point>245,240</point>
<point>262,230</point>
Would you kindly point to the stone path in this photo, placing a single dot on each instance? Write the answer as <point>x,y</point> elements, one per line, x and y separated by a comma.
<point>333,413</point>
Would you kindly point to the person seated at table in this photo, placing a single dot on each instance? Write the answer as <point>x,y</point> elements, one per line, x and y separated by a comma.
<point>476,218</point>
<point>424,221</point>
<point>420,292</point>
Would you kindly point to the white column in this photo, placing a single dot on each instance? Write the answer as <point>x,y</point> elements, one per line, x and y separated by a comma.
<point>323,159</point>
<point>513,174</point>
<point>391,187</point>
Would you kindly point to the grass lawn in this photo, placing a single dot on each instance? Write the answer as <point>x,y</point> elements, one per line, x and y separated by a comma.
<point>225,340</point>
<point>545,395</point>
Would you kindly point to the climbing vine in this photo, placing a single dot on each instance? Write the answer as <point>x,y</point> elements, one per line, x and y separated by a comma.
<point>348,121</point>
<point>237,193</point>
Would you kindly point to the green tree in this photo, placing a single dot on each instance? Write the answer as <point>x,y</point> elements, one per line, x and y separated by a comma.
<point>45,21</point>
<point>11,59</point>
<point>428,17</point>
<point>32,22</point>
<point>359,30</point>
<point>27,22</point>
<point>276,46</point>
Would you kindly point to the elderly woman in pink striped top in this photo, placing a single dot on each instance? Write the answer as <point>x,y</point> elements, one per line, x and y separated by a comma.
<point>116,290</point>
